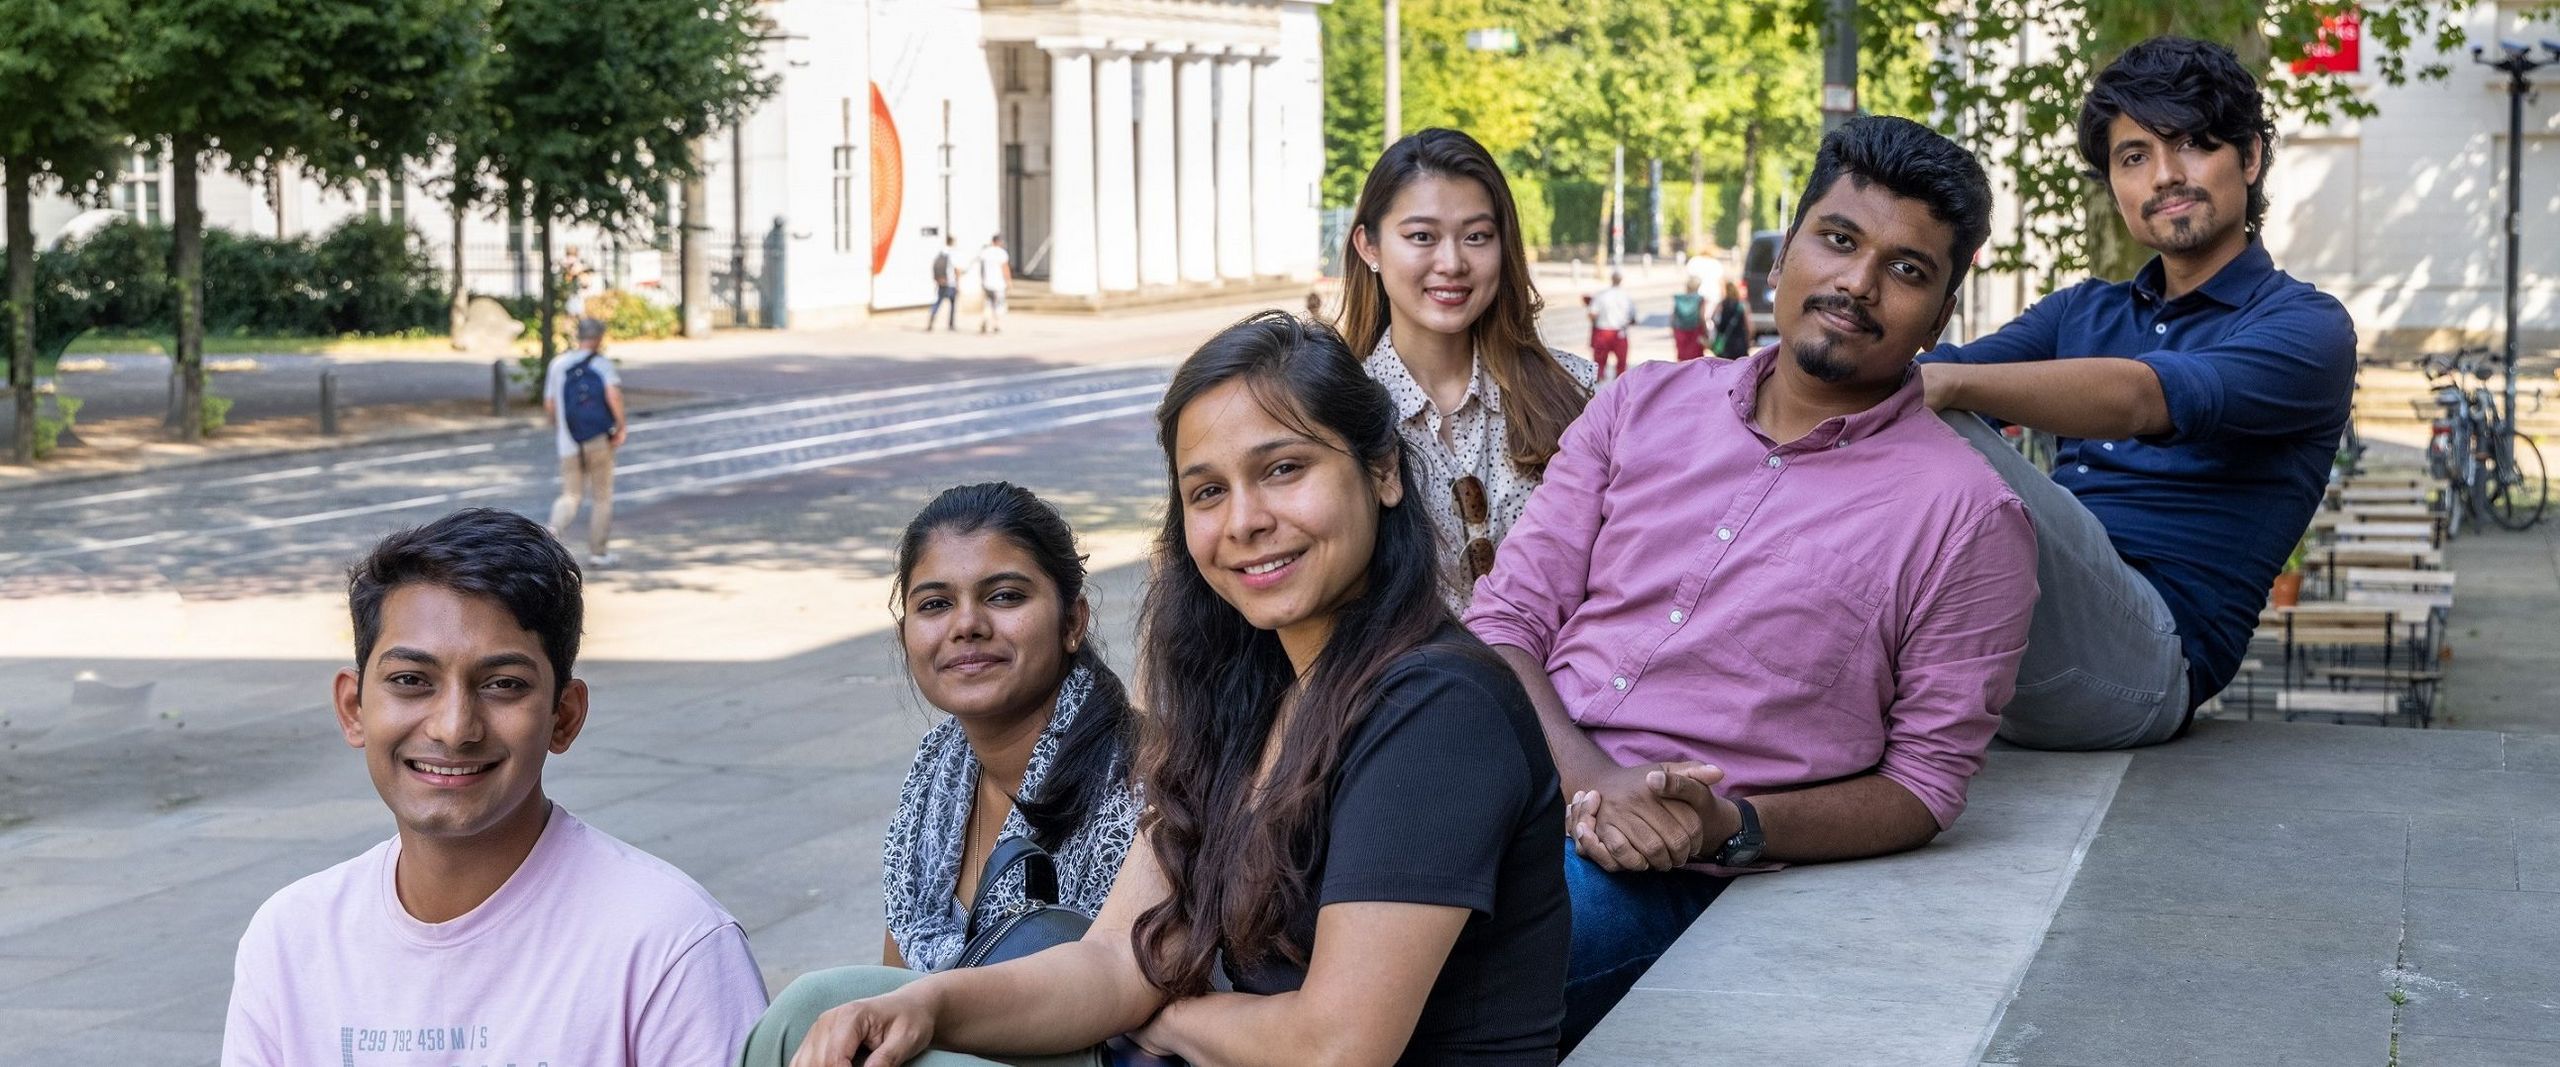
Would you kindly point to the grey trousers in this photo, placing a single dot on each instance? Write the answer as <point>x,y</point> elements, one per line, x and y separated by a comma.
<point>777,1036</point>
<point>2103,667</point>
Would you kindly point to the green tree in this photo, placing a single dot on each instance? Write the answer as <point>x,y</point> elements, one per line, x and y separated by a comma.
<point>590,112</point>
<point>1494,96</point>
<point>351,92</point>
<point>2017,103</point>
<point>60,73</point>
<point>1726,86</point>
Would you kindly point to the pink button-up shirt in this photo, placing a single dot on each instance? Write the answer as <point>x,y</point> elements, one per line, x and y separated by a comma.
<point>1854,600</point>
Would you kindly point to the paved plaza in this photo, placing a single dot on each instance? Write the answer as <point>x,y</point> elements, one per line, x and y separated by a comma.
<point>167,758</point>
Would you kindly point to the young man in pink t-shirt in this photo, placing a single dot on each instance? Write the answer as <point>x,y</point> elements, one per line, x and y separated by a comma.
<point>495,927</point>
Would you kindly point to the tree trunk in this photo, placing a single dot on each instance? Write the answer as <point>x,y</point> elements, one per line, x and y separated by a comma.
<point>693,260</point>
<point>1697,202</point>
<point>1746,204</point>
<point>22,314</point>
<point>186,263</point>
<point>461,312</point>
<point>275,194</point>
<point>550,293</point>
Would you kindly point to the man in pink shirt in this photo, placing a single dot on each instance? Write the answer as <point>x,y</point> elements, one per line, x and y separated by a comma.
<point>495,927</point>
<point>1769,610</point>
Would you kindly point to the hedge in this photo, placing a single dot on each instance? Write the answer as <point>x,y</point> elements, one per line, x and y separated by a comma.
<point>363,277</point>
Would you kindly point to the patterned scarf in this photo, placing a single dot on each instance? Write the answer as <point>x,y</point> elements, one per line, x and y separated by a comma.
<point>920,855</point>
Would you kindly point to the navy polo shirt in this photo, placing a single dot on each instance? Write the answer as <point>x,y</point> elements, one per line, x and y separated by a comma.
<point>2259,370</point>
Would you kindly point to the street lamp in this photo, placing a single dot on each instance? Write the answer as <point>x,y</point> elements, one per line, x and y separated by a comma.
<point>1394,73</point>
<point>2517,60</point>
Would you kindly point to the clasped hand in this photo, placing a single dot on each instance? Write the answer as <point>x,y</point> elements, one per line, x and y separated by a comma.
<point>1650,817</point>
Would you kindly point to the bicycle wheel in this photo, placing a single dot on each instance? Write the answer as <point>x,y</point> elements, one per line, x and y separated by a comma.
<point>2518,490</point>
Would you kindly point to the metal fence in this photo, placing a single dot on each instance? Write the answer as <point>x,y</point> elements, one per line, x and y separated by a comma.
<point>1332,229</point>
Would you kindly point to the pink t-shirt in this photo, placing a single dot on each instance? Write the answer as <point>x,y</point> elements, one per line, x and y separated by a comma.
<point>594,952</point>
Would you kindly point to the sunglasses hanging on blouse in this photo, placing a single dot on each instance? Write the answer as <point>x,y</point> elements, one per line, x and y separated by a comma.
<point>1473,511</point>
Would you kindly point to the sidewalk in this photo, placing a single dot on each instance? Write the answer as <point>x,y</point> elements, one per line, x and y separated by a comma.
<point>386,396</point>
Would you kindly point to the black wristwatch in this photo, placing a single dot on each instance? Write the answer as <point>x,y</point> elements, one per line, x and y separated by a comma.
<point>1744,847</point>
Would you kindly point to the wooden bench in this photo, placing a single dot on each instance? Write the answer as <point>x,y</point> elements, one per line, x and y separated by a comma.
<point>2354,532</point>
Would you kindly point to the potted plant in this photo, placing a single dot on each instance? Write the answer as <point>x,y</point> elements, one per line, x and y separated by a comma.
<point>2288,587</point>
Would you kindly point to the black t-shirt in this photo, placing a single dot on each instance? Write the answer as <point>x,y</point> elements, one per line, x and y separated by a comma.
<point>1446,795</point>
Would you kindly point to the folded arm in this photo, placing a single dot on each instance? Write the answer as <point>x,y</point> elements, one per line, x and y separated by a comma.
<point>1371,971</point>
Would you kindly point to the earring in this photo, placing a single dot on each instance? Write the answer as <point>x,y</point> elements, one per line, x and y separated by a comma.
<point>1373,268</point>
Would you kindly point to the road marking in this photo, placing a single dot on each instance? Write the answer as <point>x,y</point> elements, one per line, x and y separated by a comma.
<point>888,450</point>
<point>880,431</point>
<point>654,424</point>
<point>1005,429</point>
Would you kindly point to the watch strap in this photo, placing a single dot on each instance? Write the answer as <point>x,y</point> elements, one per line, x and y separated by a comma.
<point>1744,847</point>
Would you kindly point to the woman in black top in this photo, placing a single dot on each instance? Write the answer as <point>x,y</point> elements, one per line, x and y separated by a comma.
<point>1353,809</point>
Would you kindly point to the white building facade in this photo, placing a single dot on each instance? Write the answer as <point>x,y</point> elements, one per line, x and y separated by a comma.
<point>2403,216</point>
<point>1124,148</point>
<point>2400,216</point>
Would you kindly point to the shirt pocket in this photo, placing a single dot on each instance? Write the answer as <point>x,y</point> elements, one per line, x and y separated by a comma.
<point>1809,608</point>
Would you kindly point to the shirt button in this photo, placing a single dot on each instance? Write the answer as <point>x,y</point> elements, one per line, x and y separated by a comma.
<point>2159,327</point>
<point>1619,683</point>
<point>2109,446</point>
<point>1679,616</point>
<point>1724,533</point>
<point>2084,468</point>
<point>1774,461</point>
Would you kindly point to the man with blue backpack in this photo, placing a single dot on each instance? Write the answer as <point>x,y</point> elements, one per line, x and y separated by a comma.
<point>583,393</point>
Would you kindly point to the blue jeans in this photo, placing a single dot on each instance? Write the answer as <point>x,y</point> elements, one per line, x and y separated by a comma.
<point>947,294</point>
<point>1622,922</point>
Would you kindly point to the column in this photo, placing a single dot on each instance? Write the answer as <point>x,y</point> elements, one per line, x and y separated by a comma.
<point>1071,241</point>
<point>1271,187</point>
<point>1115,206</point>
<point>1157,247</point>
<point>1235,167</point>
<point>1195,144</point>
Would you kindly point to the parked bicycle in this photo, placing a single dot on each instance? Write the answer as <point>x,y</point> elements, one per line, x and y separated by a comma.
<point>2490,470</point>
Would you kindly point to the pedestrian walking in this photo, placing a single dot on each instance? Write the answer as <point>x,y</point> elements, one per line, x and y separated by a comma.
<point>577,280</point>
<point>1733,323</point>
<point>1689,322</point>
<point>995,275</point>
<point>1612,313</point>
<point>583,394</point>
<point>946,285</point>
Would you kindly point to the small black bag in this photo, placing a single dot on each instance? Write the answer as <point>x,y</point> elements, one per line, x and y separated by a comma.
<point>1039,922</point>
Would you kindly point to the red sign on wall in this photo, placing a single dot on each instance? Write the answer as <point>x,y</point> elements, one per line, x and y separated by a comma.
<point>2337,49</point>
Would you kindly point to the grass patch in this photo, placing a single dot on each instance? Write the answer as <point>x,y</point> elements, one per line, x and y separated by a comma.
<point>102,343</point>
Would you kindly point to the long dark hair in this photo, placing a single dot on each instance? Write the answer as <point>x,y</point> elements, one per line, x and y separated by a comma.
<point>1092,756</point>
<point>1538,398</point>
<point>1238,861</point>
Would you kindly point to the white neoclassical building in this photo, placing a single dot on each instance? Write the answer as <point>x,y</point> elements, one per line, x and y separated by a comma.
<point>1123,147</point>
<point>1126,149</point>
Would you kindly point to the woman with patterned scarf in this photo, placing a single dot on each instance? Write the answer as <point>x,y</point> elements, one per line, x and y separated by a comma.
<point>997,636</point>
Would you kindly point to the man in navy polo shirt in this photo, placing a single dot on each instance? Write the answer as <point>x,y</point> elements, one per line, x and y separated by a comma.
<point>2199,407</point>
